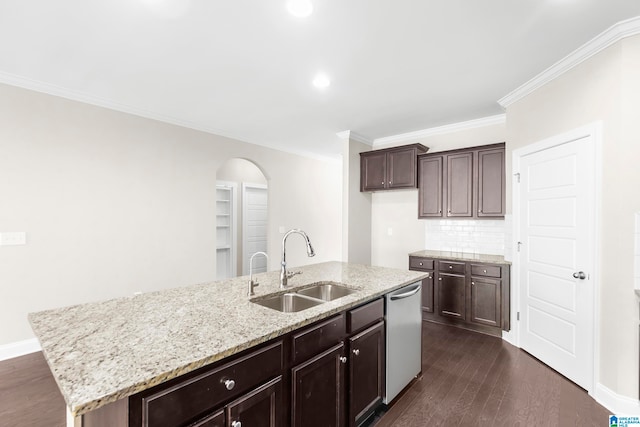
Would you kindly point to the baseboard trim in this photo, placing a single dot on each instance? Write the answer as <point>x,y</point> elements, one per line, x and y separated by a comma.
<point>616,403</point>
<point>20,348</point>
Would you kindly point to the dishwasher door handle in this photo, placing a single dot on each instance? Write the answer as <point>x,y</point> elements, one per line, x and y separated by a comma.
<point>406,294</point>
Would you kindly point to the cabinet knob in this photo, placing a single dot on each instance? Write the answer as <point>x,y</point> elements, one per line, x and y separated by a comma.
<point>484,271</point>
<point>382,183</point>
<point>420,263</point>
<point>236,424</point>
<point>229,384</point>
<point>473,283</point>
<point>451,266</point>
<point>343,359</point>
<point>356,351</point>
<point>440,278</point>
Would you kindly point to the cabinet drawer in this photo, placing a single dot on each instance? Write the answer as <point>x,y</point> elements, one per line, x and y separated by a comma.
<point>178,404</point>
<point>419,263</point>
<point>318,338</point>
<point>365,315</point>
<point>486,270</point>
<point>451,267</point>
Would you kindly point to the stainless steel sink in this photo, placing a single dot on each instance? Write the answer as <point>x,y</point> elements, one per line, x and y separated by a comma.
<point>288,303</point>
<point>326,291</point>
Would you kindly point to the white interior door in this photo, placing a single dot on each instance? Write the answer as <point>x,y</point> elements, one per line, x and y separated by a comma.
<point>556,260</point>
<point>254,226</point>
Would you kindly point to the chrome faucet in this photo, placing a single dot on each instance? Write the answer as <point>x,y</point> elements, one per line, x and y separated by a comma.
<point>284,274</point>
<point>252,283</point>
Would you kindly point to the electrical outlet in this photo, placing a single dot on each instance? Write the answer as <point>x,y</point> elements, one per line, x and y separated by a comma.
<point>13,238</point>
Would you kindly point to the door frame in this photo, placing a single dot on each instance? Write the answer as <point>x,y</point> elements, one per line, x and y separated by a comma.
<point>594,132</point>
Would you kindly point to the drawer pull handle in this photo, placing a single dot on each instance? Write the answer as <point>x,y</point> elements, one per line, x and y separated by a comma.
<point>229,384</point>
<point>236,424</point>
<point>356,351</point>
<point>343,359</point>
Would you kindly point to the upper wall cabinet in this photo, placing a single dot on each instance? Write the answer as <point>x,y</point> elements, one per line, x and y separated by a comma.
<point>467,183</point>
<point>391,168</point>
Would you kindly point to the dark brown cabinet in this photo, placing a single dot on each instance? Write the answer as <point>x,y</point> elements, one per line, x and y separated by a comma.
<point>330,373</point>
<point>366,372</point>
<point>466,183</point>
<point>473,295</point>
<point>319,390</point>
<point>451,295</point>
<point>390,169</point>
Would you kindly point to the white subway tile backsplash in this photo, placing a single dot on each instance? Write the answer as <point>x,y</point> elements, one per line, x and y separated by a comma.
<point>481,236</point>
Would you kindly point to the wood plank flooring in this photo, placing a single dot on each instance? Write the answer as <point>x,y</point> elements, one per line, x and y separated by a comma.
<point>469,379</point>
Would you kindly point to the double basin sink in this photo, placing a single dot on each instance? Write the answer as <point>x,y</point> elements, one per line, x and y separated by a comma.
<point>316,294</point>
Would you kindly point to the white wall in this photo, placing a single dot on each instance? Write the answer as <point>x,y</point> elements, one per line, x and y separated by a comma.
<point>605,87</point>
<point>398,210</point>
<point>114,203</point>
<point>356,207</point>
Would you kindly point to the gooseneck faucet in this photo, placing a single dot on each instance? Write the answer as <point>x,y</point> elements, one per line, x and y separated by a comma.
<point>284,274</point>
<point>253,284</point>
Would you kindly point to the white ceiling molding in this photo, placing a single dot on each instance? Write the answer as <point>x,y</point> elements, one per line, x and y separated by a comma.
<point>349,134</point>
<point>613,34</point>
<point>454,127</point>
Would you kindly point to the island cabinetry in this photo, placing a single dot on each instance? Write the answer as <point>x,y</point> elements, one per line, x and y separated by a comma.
<point>472,295</point>
<point>390,169</point>
<point>198,398</point>
<point>465,183</point>
<point>366,360</point>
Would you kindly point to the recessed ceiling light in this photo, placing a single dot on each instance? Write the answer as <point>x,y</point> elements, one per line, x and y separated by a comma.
<point>300,8</point>
<point>321,81</point>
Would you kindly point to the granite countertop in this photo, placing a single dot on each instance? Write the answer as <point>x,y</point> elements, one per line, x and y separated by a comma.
<point>461,256</point>
<point>106,351</point>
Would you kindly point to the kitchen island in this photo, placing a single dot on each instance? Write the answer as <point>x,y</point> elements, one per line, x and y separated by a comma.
<point>103,353</point>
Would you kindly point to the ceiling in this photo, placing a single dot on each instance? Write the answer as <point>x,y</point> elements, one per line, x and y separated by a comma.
<point>243,68</point>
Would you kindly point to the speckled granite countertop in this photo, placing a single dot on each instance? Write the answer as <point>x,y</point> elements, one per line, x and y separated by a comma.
<point>102,352</point>
<point>462,256</point>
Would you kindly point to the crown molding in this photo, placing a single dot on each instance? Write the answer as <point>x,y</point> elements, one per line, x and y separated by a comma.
<point>613,34</point>
<point>349,134</point>
<point>454,127</point>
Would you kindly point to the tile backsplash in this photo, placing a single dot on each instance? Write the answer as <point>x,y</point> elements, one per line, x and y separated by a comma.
<point>480,236</point>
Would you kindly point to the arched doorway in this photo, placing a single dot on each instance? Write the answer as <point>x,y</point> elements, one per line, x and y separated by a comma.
<point>241,218</point>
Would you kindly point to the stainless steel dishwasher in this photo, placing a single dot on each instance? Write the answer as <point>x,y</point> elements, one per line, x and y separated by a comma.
<point>404,338</point>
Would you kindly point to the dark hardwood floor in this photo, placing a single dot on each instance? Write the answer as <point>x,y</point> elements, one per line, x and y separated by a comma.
<point>469,379</point>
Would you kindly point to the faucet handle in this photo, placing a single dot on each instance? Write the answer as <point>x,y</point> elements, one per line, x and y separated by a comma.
<point>290,274</point>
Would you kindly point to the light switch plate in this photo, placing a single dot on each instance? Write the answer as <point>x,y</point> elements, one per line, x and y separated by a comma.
<point>13,238</point>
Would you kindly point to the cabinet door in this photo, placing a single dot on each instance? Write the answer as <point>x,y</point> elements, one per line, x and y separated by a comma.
<point>486,301</point>
<point>427,293</point>
<point>459,188</point>
<point>430,187</point>
<point>451,295</point>
<point>401,168</point>
<point>366,372</point>
<point>491,183</point>
<point>373,171</point>
<point>259,408</point>
<point>319,391</point>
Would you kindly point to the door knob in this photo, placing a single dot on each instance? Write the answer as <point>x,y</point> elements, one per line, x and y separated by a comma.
<point>580,275</point>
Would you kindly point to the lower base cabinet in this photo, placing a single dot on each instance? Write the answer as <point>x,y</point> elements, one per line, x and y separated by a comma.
<point>319,389</point>
<point>329,374</point>
<point>366,372</point>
